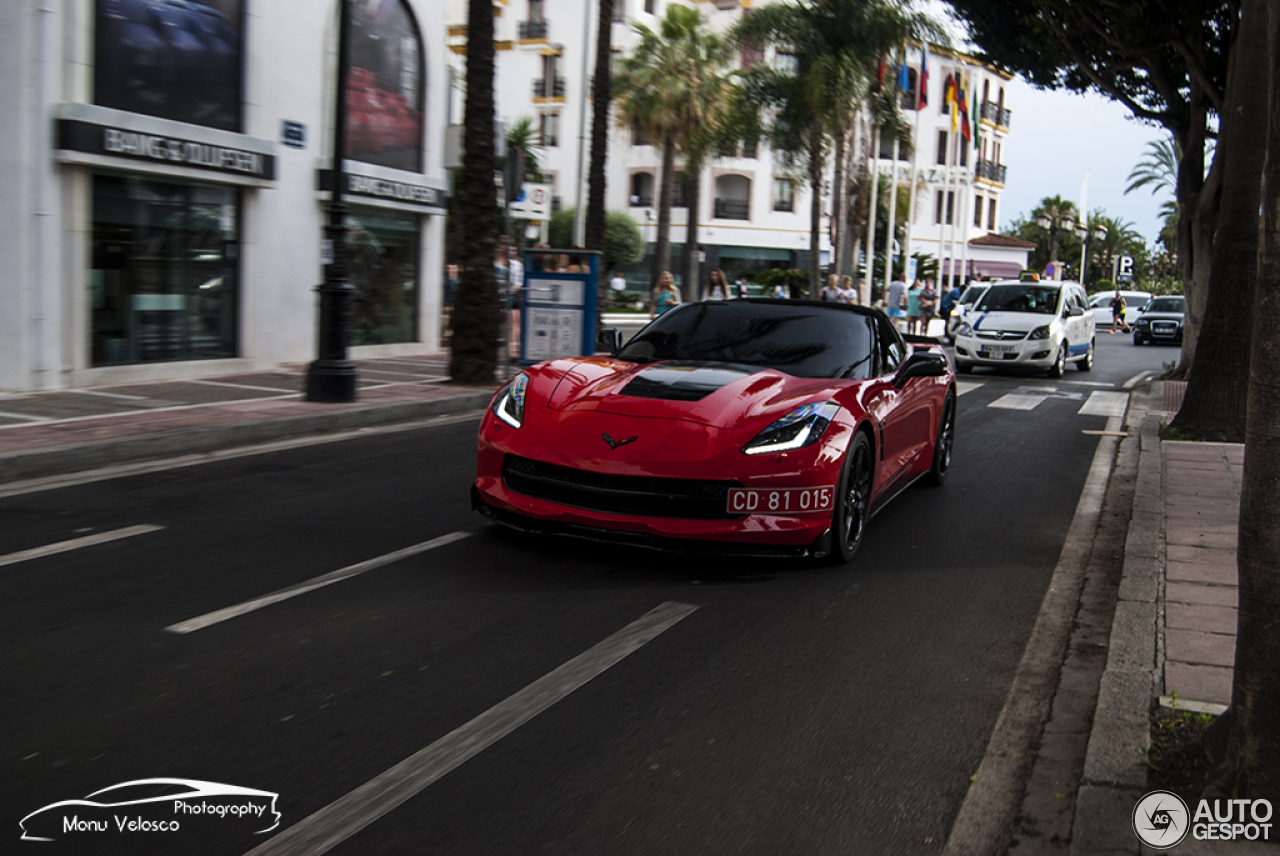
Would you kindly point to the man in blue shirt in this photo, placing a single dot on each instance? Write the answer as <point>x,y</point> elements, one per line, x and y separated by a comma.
<point>950,298</point>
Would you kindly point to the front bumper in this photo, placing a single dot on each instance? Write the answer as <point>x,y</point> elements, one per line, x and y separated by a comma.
<point>974,351</point>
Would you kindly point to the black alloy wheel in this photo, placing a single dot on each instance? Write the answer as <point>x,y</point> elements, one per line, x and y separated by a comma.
<point>944,443</point>
<point>853,500</point>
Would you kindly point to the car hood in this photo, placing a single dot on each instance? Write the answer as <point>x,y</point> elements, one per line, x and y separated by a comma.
<point>1011,322</point>
<point>1161,316</point>
<point>711,393</point>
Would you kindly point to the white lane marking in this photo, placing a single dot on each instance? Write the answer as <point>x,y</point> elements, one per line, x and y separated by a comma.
<point>1091,383</point>
<point>211,618</point>
<point>144,467</point>
<point>963,386</point>
<point>347,815</point>
<point>109,394</point>
<point>1137,379</point>
<point>77,543</point>
<point>1105,404</point>
<point>1015,401</point>
<point>25,417</point>
<point>277,390</point>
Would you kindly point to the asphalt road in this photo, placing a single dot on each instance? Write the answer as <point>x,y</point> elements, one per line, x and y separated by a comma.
<point>793,709</point>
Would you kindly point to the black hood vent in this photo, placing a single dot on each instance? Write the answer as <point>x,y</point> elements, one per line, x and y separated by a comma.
<point>681,380</point>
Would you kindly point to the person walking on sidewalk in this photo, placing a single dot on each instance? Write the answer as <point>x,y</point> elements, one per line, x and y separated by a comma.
<point>665,297</point>
<point>928,304</point>
<point>894,297</point>
<point>1117,313</point>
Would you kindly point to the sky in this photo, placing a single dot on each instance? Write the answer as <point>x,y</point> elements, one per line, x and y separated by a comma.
<point>1056,137</point>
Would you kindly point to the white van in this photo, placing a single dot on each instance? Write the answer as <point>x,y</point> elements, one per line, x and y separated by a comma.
<point>1031,324</point>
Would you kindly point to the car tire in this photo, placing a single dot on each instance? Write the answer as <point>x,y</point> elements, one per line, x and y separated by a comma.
<point>943,442</point>
<point>1085,364</point>
<point>1059,366</point>
<point>853,500</point>
<point>1138,340</point>
<point>964,368</point>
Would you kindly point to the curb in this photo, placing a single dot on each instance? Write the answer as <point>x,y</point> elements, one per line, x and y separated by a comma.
<point>60,460</point>
<point>1115,774</point>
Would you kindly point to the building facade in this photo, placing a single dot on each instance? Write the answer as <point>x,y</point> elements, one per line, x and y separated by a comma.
<point>753,214</point>
<point>169,165</point>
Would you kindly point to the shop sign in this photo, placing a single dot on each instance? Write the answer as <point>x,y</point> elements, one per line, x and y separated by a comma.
<point>387,189</point>
<point>79,136</point>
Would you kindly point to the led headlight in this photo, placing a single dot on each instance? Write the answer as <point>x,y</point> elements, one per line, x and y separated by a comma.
<point>965,329</point>
<point>1039,333</point>
<point>509,405</point>
<point>797,429</point>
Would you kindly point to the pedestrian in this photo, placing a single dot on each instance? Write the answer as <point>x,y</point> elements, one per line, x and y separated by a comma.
<point>1117,313</point>
<point>831,291</point>
<point>894,298</point>
<point>913,306</point>
<point>665,297</point>
<point>848,292</point>
<point>743,290</point>
<point>780,291</point>
<point>928,303</point>
<point>717,288</point>
<point>617,286</point>
<point>950,297</point>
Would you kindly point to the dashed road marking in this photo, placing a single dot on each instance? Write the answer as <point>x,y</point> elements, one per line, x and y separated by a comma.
<point>963,386</point>
<point>347,815</point>
<point>210,618</point>
<point>77,543</point>
<point>1105,404</point>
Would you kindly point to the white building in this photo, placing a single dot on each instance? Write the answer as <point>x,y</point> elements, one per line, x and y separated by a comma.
<point>753,216</point>
<point>164,165</point>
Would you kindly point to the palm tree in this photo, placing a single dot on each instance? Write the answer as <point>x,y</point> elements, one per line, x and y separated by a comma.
<point>669,88</point>
<point>477,314</point>
<point>836,45</point>
<point>1057,217</point>
<point>600,92</point>
<point>524,136</point>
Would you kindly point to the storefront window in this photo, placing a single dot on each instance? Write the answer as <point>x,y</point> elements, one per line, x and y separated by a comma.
<point>382,247</point>
<point>163,284</point>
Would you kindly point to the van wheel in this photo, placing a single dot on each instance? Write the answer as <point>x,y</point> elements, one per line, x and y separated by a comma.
<point>1060,362</point>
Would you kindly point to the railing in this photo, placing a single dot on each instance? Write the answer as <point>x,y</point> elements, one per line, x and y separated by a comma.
<point>541,89</point>
<point>732,209</point>
<point>530,30</point>
<point>990,171</point>
<point>993,112</point>
<point>641,200</point>
<point>783,205</point>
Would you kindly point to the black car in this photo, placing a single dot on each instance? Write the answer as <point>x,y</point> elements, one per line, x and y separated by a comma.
<point>1160,322</point>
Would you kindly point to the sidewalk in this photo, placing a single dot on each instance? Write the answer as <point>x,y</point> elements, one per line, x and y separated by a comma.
<point>53,433</point>
<point>1172,641</point>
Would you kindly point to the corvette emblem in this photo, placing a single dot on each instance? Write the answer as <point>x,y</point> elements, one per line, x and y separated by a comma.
<point>613,444</point>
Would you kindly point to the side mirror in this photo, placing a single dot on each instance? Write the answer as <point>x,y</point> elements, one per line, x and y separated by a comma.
<point>1075,311</point>
<point>920,364</point>
<point>609,340</point>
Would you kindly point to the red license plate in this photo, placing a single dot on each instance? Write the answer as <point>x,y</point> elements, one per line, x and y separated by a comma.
<point>787,500</point>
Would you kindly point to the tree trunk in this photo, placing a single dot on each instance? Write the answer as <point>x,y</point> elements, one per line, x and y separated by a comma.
<point>597,182</point>
<point>692,259</point>
<point>1253,722</point>
<point>838,207</point>
<point>477,314</point>
<point>815,209</point>
<point>1195,225</point>
<point>662,248</point>
<point>1217,387</point>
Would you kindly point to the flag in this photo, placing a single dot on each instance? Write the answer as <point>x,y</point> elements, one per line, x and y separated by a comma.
<point>881,67</point>
<point>977,127</point>
<point>924,79</point>
<point>904,76</point>
<point>954,102</point>
<point>962,108</point>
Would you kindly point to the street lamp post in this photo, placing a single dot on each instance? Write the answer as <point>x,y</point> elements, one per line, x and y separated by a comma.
<point>1084,233</point>
<point>1052,222</point>
<point>331,378</point>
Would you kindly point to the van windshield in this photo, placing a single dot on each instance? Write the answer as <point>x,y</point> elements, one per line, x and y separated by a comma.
<point>1020,297</point>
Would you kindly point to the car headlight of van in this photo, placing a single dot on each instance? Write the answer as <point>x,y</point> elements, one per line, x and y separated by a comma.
<point>965,329</point>
<point>509,405</point>
<point>799,428</point>
<point>1039,333</point>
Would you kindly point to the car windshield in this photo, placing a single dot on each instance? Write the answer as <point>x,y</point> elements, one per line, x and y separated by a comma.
<point>1020,297</point>
<point>801,339</point>
<point>972,293</point>
<point>1165,304</point>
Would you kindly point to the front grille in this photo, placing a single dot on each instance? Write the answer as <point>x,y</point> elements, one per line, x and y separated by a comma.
<point>1001,335</point>
<point>643,496</point>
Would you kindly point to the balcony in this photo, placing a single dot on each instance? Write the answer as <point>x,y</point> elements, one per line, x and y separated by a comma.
<point>990,171</point>
<point>542,88</point>
<point>997,115</point>
<point>732,209</point>
<point>783,205</point>
<point>532,30</point>
<point>641,200</point>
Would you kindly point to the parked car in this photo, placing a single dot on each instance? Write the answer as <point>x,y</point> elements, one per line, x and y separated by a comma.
<point>960,311</point>
<point>759,427</point>
<point>1100,306</point>
<point>1160,322</point>
<point>1026,323</point>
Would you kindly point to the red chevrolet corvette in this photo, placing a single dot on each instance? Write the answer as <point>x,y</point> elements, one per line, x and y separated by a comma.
<point>766,427</point>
